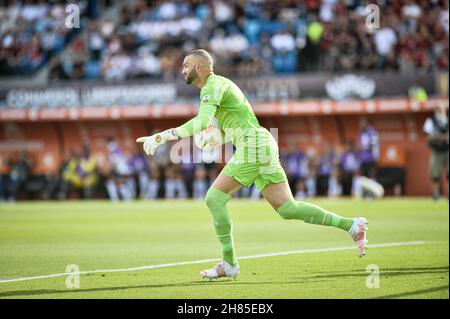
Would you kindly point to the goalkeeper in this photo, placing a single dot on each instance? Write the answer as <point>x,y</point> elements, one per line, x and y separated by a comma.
<point>256,160</point>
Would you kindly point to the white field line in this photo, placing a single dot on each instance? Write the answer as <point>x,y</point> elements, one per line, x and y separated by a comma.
<point>291,252</point>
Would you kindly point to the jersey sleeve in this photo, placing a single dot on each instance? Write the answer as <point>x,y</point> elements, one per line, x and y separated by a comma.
<point>210,99</point>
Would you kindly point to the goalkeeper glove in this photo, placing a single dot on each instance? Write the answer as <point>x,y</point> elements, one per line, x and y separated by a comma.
<point>152,142</point>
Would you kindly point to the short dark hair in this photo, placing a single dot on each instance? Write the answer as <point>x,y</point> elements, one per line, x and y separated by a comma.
<point>204,55</point>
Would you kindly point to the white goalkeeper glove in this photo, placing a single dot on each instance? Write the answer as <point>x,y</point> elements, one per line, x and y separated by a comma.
<point>152,142</point>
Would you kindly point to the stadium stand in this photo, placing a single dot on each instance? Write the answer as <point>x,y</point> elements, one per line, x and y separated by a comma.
<point>149,38</point>
<point>279,42</point>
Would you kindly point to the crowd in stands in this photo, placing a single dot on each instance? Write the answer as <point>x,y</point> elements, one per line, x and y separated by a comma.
<point>331,172</point>
<point>31,33</point>
<point>254,37</point>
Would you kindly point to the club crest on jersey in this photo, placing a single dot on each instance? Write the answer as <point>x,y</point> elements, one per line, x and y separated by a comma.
<point>205,99</point>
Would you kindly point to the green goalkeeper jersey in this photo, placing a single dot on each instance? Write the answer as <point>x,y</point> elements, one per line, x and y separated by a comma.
<point>220,98</point>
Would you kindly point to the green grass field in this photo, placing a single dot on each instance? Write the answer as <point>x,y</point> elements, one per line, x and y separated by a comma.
<point>42,238</point>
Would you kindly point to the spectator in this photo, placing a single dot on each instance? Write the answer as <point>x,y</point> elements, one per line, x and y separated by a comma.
<point>314,30</point>
<point>153,184</point>
<point>334,183</point>
<point>191,25</point>
<point>301,188</point>
<point>218,43</point>
<point>417,92</point>
<point>80,174</point>
<point>200,184</point>
<point>70,177</point>
<point>442,60</point>
<point>223,12</point>
<point>32,32</point>
<point>116,66</point>
<point>283,41</point>
<point>213,172</point>
<point>292,161</point>
<point>57,71</point>
<point>246,37</point>
<point>437,132</point>
<point>311,177</point>
<point>87,171</point>
<point>349,167</point>
<point>147,63</point>
<point>406,62</point>
<point>369,149</point>
<point>325,170</point>
<point>312,49</point>
<point>285,61</point>
<point>173,183</point>
<point>18,175</point>
<point>255,194</point>
<point>327,10</point>
<point>385,40</point>
<point>139,166</point>
<point>119,184</point>
<point>236,44</point>
<point>411,10</point>
<point>248,192</point>
<point>444,16</point>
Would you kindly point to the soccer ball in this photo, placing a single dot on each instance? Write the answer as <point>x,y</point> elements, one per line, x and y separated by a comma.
<point>209,139</point>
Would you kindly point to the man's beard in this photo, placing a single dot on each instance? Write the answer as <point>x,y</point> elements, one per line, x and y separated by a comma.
<point>192,76</point>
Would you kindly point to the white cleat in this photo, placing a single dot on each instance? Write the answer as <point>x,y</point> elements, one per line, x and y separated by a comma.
<point>358,231</point>
<point>222,269</point>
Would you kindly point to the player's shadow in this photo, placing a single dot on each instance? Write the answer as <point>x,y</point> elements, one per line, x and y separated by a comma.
<point>414,293</point>
<point>385,272</point>
<point>63,291</point>
<point>329,275</point>
<point>184,284</point>
<point>392,272</point>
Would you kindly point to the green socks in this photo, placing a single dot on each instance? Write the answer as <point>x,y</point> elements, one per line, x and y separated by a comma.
<point>216,201</point>
<point>313,214</point>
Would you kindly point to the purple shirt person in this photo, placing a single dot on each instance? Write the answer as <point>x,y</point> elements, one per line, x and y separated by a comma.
<point>369,144</point>
<point>138,163</point>
<point>118,160</point>
<point>326,163</point>
<point>293,162</point>
<point>349,161</point>
<point>304,170</point>
<point>349,166</point>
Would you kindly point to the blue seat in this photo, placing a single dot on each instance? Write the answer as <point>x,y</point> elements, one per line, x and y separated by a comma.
<point>92,69</point>
<point>285,62</point>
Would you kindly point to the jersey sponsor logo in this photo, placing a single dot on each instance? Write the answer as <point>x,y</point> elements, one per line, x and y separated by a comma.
<point>205,99</point>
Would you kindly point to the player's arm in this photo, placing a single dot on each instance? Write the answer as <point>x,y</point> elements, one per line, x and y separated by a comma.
<point>430,134</point>
<point>210,99</point>
<point>197,124</point>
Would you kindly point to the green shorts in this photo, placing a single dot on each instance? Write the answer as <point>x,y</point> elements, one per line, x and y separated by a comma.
<point>256,161</point>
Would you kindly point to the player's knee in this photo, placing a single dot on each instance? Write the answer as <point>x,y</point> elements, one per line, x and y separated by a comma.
<point>287,210</point>
<point>209,201</point>
<point>216,198</point>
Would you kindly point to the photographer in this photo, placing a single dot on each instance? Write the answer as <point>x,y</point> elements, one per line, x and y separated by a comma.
<point>436,129</point>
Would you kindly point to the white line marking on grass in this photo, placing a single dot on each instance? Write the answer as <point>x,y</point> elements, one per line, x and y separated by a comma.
<point>291,252</point>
